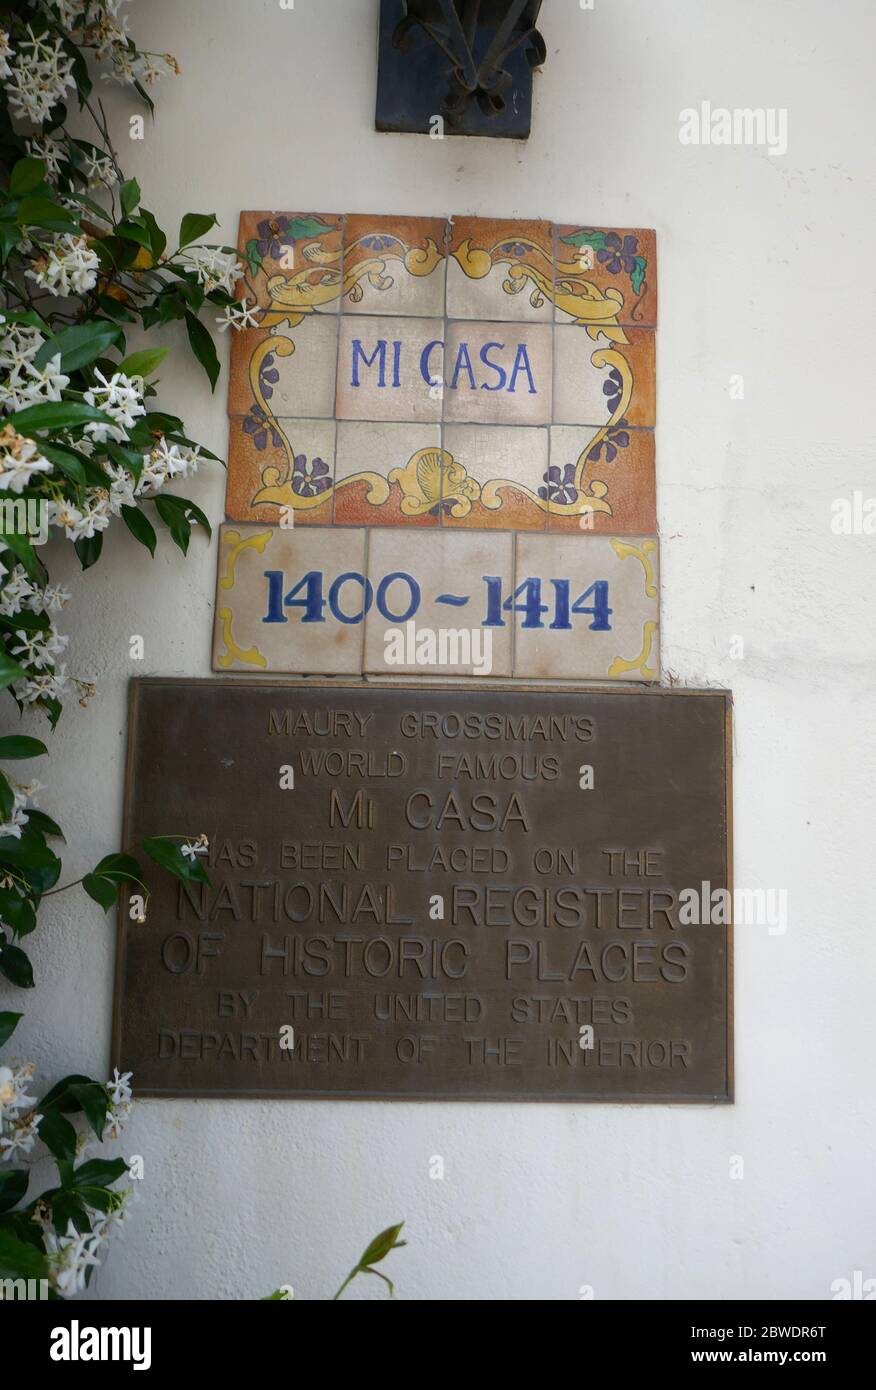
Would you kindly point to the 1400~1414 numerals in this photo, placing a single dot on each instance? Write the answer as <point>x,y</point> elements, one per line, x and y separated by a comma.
<point>398,596</point>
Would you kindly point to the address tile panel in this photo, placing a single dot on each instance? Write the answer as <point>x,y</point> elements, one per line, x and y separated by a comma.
<point>479,373</point>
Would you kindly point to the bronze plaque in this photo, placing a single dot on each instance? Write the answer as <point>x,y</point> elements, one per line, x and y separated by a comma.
<point>431,892</point>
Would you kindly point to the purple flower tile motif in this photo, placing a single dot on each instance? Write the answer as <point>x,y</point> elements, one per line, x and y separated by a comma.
<point>618,255</point>
<point>613,389</point>
<point>273,237</point>
<point>259,427</point>
<point>559,485</point>
<point>310,478</point>
<point>380,243</point>
<point>268,376</point>
<point>612,440</point>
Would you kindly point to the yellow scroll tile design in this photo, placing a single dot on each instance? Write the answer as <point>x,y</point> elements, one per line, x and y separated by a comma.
<point>236,545</point>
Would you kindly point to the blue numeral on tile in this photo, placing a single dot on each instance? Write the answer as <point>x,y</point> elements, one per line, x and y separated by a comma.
<point>532,605</point>
<point>494,601</point>
<point>600,609</point>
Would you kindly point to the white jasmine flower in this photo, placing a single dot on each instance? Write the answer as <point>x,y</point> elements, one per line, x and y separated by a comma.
<point>121,399</point>
<point>12,1089</point>
<point>15,824</point>
<point>99,171</point>
<point>40,74</point>
<point>49,600</point>
<point>191,851</point>
<point>150,68</point>
<point>66,514</point>
<point>121,491</point>
<point>20,459</point>
<point>238,317</point>
<point>166,461</point>
<point>83,523</point>
<point>39,649</point>
<point>49,151</point>
<point>5,54</point>
<point>20,1136</point>
<point>68,267</point>
<point>119,1086</point>
<point>15,593</point>
<point>69,1259</point>
<point>44,687</point>
<point>70,12</point>
<point>215,269</point>
<point>19,346</point>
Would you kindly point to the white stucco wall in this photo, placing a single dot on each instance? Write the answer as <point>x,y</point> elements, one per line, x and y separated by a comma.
<point>766,269</point>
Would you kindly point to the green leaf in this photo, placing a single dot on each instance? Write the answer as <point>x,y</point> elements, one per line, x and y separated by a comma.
<point>178,513</point>
<point>195,225</point>
<point>21,1261</point>
<point>175,521</point>
<point>42,212</point>
<point>9,239</point>
<point>56,415</point>
<point>305,228</point>
<point>27,851</point>
<point>381,1246</point>
<point>13,1186</point>
<point>88,549</point>
<point>253,256</point>
<point>8,1024</point>
<point>140,527</point>
<point>637,278</point>
<point>20,746</point>
<point>120,868</point>
<point>10,670</point>
<point>132,231</point>
<point>157,238</point>
<point>70,464</point>
<point>57,1134</point>
<point>68,1207</point>
<point>94,1102</point>
<point>114,310</point>
<point>62,1097</point>
<point>130,195</point>
<point>101,889</point>
<point>594,239</point>
<point>79,345</point>
<point>40,821</point>
<point>203,347</point>
<point>15,965</point>
<point>143,363</point>
<point>26,175</point>
<point>16,912</point>
<point>169,855</point>
<point>26,316</point>
<point>25,552</point>
<point>98,1172</point>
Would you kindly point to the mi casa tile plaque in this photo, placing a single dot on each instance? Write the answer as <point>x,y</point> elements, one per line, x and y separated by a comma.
<point>439,892</point>
<point>395,357</point>
<point>348,600</point>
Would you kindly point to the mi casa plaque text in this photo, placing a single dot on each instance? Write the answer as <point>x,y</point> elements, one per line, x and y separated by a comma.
<point>436,893</point>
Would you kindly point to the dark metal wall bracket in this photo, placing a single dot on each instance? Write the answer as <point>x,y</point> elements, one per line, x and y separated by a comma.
<point>461,67</point>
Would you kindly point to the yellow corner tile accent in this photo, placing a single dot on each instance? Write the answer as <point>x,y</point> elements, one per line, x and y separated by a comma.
<point>620,667</point>
<point>252,656</point>
<point>643,554</point>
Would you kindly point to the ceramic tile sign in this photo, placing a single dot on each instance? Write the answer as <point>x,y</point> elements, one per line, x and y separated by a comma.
<point>437,373</point>
<point>353,600</point>
<point>431,892</point>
